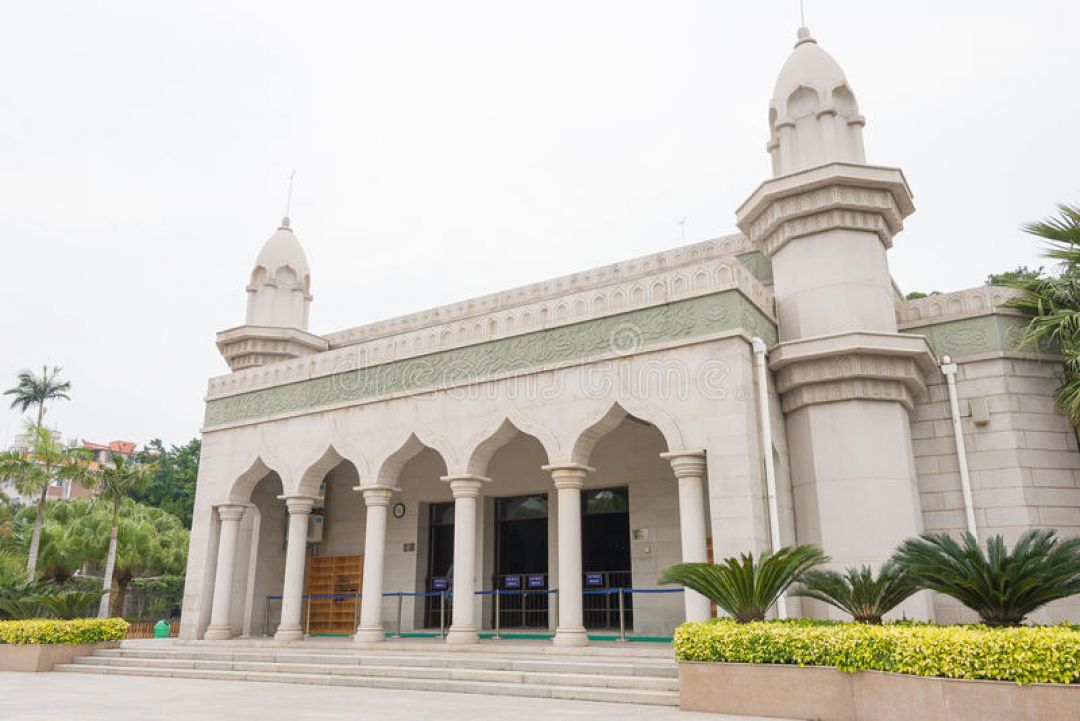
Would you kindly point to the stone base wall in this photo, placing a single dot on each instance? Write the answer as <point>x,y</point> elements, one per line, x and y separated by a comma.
<point>826,694</point>
<point>42,657</point>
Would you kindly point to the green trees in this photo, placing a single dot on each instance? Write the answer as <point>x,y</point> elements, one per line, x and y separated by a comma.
<point>48,460</point>
<point>33,391</point>
<point>1054,302</point>
<point>744,587</point>
<point>173,486</point>
<point>1002,586</point>
<point>115,483</point>
<point>858,591</point>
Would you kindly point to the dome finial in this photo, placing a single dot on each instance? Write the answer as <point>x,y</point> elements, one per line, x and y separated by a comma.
<point>285,224</point>
<point>804,36</point>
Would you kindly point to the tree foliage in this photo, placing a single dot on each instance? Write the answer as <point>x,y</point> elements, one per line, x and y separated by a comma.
<point>33,391</point>
<point>1021,274</point>
<point>858,591</point>
<point>746,587</point>
<point>1054,302</point>
<point>1000,585</point>
<point>173,486</point>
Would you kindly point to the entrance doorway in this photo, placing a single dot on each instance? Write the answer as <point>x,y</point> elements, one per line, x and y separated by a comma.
<point>521,561</point>
<point>440,569</point>
<point>605,556</point>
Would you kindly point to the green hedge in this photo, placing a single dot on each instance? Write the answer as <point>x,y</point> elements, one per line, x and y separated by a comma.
<point>53,631</point>
<point>1048,654</point>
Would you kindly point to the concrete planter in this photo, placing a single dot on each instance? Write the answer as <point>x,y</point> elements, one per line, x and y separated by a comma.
<point>826,694</point>
<point>42,657</point>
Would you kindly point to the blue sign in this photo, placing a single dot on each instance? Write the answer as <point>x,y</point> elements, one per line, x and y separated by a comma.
<point>440,584</point>
<point>512,582</point>
<point>594,579</point>
<point>535,581</point>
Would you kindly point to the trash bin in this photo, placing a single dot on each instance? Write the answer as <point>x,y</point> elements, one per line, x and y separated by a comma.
<point>162,629</point>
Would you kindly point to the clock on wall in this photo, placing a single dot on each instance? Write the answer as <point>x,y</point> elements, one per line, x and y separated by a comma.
<point>399,510</point>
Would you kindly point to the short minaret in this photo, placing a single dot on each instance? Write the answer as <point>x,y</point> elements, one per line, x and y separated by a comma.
<point>847,378</point>
<point>278,302</point>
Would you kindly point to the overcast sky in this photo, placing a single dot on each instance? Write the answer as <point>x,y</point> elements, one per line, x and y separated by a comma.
<point>448,149</point>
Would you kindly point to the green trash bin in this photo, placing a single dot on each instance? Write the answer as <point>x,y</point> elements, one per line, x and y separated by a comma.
<point>162,629</point>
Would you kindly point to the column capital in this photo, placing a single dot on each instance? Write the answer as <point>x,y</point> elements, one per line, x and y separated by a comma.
<point>298,505</point>
<point>466,485</point>
<point>231,511</point>
<point>568,475</point>
<point>377,495</point>
<point>686,463</point>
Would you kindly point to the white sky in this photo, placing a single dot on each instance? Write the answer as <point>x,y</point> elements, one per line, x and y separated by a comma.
<point>448,149</point>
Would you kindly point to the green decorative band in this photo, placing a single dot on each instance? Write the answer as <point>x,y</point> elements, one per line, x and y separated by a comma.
<point>622,334</point>
<point>758,264</point>
<point>970,336</point>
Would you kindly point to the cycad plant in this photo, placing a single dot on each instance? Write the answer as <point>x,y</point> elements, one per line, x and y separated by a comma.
<point>858,591</point>
<point>746,587</point>
<point>1002,586</point>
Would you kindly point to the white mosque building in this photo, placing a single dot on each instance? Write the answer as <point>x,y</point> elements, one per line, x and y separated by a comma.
<point>561,441</point>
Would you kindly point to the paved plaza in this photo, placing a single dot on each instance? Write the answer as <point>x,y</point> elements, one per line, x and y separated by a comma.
<point>52,696</point>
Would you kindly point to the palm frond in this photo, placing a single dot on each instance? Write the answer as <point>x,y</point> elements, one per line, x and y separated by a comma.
<point>858,592</point>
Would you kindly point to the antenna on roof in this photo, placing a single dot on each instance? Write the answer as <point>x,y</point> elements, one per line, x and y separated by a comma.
<point>288,198</point>
<point>682,229</point>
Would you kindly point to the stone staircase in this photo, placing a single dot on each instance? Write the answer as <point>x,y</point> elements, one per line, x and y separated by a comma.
<point>623,675</point>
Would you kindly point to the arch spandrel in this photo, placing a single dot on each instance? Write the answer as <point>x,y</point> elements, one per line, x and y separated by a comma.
<point>491,440</point>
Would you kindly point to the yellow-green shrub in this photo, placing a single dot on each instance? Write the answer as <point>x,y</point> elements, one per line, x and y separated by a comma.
<point>54,631</point>
<point>1046,654</point>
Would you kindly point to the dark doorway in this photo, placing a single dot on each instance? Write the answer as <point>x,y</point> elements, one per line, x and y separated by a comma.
<point>440,564</point>
<point>521,561</point>
<point>605,556</point>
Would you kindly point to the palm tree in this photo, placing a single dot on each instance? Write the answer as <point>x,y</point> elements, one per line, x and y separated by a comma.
<point>1054,302</point>
<point>858,592</point>
<point>48,460</point>
<point>115,483</point>
<point>744,587</point>
<point>1001,586</point>
<point>32,390</point>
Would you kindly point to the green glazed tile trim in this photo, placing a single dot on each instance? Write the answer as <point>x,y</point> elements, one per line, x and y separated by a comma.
<point>970,336</point>
<point>758,264</point>
<point>624,332</point>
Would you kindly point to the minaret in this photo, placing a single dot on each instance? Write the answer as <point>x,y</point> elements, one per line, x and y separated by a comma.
<point>847,378</point>
<point>278,301</point>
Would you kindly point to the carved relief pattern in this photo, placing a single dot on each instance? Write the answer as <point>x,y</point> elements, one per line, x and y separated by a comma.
<point>948,306</point>
<point>697,279</point>
<point>858,365</point>
<point>622,334</point>
<point>842,206</point>
<point>849,389</point>
<point>973,335</point>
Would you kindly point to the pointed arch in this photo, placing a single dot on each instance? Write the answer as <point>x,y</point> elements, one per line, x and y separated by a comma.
<point>494,439</point>
<point>240,491</point>
<point>616,414</point>
<point>391,467</point>
<point>315,472</point>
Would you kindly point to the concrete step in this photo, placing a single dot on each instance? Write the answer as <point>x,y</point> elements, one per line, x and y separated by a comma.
<point>635,695</point>
<point>650,683</point>
<point>518,663</point>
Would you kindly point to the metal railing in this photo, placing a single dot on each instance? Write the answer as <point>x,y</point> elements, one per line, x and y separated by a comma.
<point>622,608</point>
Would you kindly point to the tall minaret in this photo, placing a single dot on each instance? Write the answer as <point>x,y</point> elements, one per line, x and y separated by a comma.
<point>847,378</point>
<point>278,301</point>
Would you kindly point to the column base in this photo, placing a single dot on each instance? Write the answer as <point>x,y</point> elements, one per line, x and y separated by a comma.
<point>698,608</point>
<point>218,633</point>
<point>573,636</point>
<point>289,634</point>
<point>459,635</point>
<point>372,634</point>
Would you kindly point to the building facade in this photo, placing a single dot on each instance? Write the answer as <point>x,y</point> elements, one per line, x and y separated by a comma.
<point>560,441</point>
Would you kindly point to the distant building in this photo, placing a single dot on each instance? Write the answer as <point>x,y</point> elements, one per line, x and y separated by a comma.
<point>102,456</point>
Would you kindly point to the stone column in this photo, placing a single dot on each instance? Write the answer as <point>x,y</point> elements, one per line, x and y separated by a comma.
<point>223,578</point>
<point>568,480</point>
<point>376,498</point>
<point>466,489</point>
<point>689,468</point>
<point>292,594</point>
